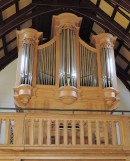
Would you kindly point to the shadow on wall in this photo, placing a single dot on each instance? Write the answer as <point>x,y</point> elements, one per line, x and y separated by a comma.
<point>124,96</point>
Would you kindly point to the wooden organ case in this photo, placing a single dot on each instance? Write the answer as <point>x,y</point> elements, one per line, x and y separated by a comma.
<point>65,72</point>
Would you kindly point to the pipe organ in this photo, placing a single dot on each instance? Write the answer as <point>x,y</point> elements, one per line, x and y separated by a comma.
<point>65,72</point>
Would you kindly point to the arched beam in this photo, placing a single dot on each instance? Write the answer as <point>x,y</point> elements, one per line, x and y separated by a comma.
<point>106,23</point>
<point>21,18</point>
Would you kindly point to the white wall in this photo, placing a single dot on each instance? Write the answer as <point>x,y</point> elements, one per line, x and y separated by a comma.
<point>7,82</point>
<point>124,96</point>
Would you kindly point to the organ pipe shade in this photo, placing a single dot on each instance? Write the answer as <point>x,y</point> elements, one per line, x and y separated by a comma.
<point>88,67</point>
<point>46,65</point>
<point>107,67</point>
<point>26,64</point>
<point>67,58</point>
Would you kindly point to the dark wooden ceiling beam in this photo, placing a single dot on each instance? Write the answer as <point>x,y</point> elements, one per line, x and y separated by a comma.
<point>11,41</point>
<point>17,6</point>
<point>23,11</point>
<point>106,23</point>
<point>125,4</point>
<point>123,58</point>
<point>85,30</point>
<point>4,45</point>
<point>114,13</point>
<point>7,24</point>
<point>123,76</point>
<point>4,4</point>
<point>98,3</point>
<point>4,61</point>
<point>1,18</point>
<point>118,48</point>
<point>68,5</point>
<point>114,27</point>
<point>25,17</point>
<point>128,28</point>
<point>127,68</point>
<point>118,9</point>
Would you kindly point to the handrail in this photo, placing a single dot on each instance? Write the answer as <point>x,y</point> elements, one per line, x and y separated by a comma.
<point>68,110</point>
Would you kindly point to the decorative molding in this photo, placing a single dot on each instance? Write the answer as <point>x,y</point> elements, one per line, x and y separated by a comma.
<point>66,20</point>
<point>28,36</point>
<point>68,94</point>
<point>23,94</point>
<point>111,97</point>
<point>105,40</point>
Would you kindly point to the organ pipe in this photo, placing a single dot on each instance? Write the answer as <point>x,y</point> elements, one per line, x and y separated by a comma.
<point>27,40</point>
<point>67,58</point>
<point>105,43</point>
<point>27,64</point>
<point>46,65</point>
<point>88,65</point>
<point>107,71</point>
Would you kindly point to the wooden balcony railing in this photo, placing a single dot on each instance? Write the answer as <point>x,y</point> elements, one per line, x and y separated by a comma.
<point>44,130</point>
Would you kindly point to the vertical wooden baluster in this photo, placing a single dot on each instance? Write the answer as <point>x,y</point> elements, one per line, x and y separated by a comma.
<point>44,131</point>
<point>57,132</point>
<point>65,132</point>
<point>81,132</point>
<point>125,131</point>
<point>25,131</point>
<point>97,133</point>
<point>48,132</point>
<point>89,133</point>
<point>18,131</point>
<point>40,134</point>
<point>114,142</point>
<point>105,133</point>
<point>31,132</point>
<point>7,132</point>
<point>73,133</point>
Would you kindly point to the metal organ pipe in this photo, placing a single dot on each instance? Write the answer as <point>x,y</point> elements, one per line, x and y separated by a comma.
<point>107,75</point>
<point>46,65</point>
<point>27,63</point>
<point>67,58</point>
<point>104,43</point>
<point>27,40</point>
<point>88,65</point>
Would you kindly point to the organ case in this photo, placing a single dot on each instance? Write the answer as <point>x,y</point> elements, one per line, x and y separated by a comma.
<point>65,72</point>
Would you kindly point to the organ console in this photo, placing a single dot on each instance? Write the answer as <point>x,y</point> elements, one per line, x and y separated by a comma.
<point>65,72</point>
